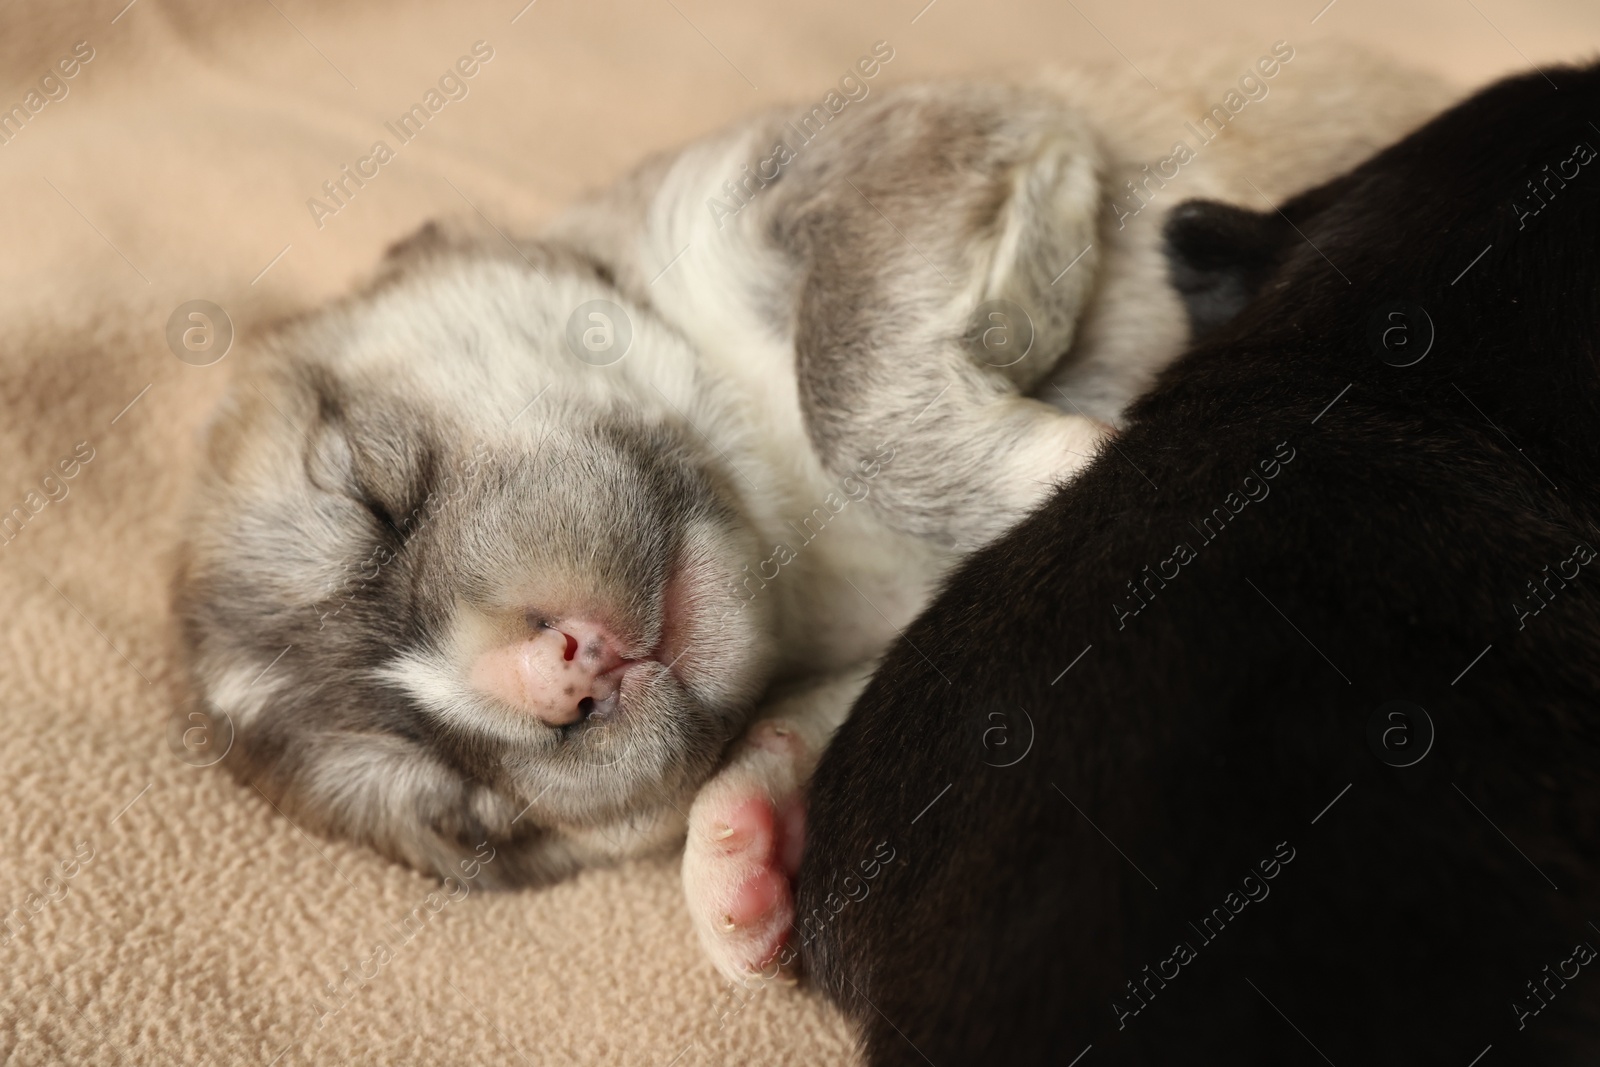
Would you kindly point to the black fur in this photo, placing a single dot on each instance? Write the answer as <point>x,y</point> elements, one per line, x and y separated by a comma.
<point>1381,550</point>
<point>1219,257</point>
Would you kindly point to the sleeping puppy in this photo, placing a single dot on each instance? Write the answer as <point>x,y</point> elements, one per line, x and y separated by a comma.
<point>498,555</point>
<point>1293,753</point>
<point>501,552</point>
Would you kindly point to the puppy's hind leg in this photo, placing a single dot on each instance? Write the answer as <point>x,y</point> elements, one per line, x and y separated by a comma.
<point>951,253</point>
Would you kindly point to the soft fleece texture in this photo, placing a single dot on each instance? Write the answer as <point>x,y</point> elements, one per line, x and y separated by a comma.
<point>205,927</point>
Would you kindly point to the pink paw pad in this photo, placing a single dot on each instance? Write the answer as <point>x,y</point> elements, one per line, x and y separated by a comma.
<point>756,844</point>
<point>756,899</point>
<point>748,826</point>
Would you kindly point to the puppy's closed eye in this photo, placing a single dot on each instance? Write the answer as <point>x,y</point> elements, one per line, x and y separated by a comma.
<point>383,516</point>
<point>383,471</point>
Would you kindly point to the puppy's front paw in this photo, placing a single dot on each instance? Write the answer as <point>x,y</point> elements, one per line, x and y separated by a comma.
<point>1057,451</point>
<point>746,835</point>
<point>1047,449</point>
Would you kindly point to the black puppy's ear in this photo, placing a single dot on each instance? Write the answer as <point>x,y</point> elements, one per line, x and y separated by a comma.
<point>1218,258</point>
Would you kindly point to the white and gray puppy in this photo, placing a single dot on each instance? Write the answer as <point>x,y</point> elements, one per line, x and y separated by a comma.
<point>527,534</point>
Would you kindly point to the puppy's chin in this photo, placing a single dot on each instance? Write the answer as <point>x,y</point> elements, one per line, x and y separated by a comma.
<point>658,747</point>
<point>677,711</point>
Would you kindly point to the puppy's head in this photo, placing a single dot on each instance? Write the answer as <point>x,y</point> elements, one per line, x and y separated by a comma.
<point>450,582</point>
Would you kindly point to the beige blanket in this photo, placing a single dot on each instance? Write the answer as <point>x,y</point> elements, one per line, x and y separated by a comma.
<point>155,912</point>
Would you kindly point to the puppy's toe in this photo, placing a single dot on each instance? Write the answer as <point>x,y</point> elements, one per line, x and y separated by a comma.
<point>741,852</point>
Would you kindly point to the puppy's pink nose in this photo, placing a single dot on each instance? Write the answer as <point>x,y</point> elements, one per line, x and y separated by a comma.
<point>559,675</point>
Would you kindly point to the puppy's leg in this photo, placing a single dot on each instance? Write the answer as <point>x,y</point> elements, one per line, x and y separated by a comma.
<point>746,828</point>
<point>949,242</point>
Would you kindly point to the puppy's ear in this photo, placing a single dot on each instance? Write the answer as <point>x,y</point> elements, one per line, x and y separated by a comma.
<point>430,241</point>
<point>1218,258</point>
<point>430,237</point>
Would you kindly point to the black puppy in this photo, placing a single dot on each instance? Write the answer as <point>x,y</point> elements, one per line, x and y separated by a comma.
<point>1275,738</point>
